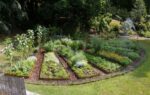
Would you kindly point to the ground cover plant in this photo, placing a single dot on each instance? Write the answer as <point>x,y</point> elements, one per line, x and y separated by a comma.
<point>115,57</point>
<point>103,64</point>
<point>22,68</point>
<point>52,68</point>
<point>81,67</point>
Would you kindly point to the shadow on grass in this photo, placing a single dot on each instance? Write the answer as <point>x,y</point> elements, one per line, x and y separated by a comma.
<point>143,70</point>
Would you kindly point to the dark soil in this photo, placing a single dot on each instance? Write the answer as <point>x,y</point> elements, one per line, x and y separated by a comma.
<point>35,74</point>
<point>72,76</point>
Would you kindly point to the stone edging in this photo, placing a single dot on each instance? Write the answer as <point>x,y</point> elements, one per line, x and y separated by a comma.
<point>128,69</point>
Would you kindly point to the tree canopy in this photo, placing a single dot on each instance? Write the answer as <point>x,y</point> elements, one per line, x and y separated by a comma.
<point>64,13</point>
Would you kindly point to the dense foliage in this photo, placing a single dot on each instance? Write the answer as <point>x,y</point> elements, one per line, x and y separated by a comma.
<point>68,15</point>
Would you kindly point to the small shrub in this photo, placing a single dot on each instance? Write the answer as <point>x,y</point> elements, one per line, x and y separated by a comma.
<point>66,52</point>
<point>96,43</point>
<point>146,34</point>
<point>53,45</point>
<point>42,34</point>
<point>115,25</point>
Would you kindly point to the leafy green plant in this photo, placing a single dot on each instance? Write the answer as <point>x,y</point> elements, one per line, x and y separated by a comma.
<point>24,43</point>
<point>122,51</point>
<point>80,66</point>
<point>66,52</point>
<point>42,34</point>
<point>52,68</point>
<point>21,68</point>
<point>101,22</point>
<point>102,63</point>
<point>79,59</point>
<point>122,44</point>
<point>115,25</point>
<point>55,45</point>
<point>95,43</point>
<point>84,72</point>
<point>146,34</point>
<point>115,57</point>
<point>8,51</point>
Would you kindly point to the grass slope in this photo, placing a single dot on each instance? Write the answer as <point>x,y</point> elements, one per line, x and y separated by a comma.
<point>134,83</point>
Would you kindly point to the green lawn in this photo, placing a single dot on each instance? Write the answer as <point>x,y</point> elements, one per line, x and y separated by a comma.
<point>134,83</point>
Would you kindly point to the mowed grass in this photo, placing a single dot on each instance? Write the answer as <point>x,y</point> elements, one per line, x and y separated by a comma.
<point>134,83</point>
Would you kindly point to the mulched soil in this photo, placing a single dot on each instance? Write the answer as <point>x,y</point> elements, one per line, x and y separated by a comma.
<point>72,76</point>
<point>35,74</point>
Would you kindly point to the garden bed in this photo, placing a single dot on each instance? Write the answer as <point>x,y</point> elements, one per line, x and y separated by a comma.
<point>123,71</point>
<point>83,72</point>
<point>52,68</point>
<point>67,60</point>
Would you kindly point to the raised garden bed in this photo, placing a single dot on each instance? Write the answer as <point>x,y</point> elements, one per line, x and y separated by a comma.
<point>83,72</point>
<point>21,68</point>
<point>67,61</point>
<point>102,64</point>
<point>52,68</point>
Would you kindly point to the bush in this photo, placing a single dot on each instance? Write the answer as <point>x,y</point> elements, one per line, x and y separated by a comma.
<point>115,25</point>
<point>53,45</point>
<point>74,44</point>
<point>146,34</point>
<point>101,22</point>
<point>115,57</point>
<point>66,52</point>
<point>96,43</point>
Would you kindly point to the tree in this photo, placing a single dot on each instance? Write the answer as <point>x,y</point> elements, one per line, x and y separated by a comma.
<point>11,15</point>
<point>62,13</point>
<point>147,3</point>
<point>139,10</point>
<point>123,4</point>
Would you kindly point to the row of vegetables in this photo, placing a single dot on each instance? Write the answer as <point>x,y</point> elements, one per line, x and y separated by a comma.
<point>81,56</point>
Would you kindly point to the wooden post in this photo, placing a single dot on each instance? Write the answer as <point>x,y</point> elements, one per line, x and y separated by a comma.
<point>12,86</point>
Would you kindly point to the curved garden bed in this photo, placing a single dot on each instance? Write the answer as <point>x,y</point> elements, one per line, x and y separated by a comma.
<point>67,61</point>
<point>103,76</point>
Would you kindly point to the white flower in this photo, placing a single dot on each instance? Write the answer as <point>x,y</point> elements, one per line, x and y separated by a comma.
<point>81,63</point>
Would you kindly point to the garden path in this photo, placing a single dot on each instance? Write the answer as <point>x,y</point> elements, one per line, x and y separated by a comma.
<point>35,74</point>
<point>72,76</point>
